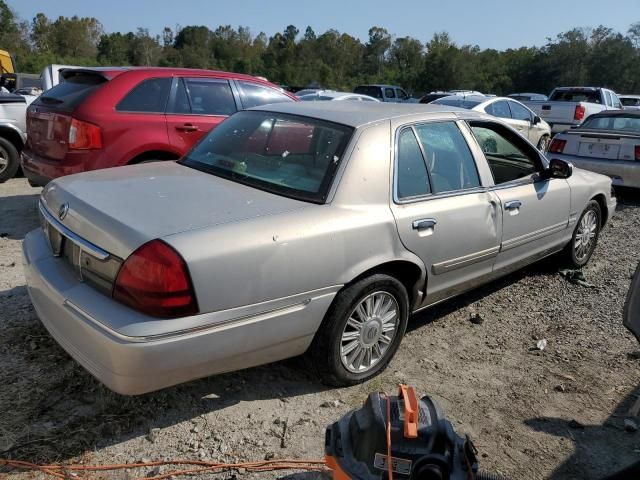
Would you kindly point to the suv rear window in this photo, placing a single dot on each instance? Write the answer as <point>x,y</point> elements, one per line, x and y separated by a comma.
<point>375,92</point>
<point>70,93</point>
<point>589,96</point>
<point>150,96</point>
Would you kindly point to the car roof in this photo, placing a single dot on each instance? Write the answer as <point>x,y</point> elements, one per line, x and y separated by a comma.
<point>357,114</point>
<point>382,85</point>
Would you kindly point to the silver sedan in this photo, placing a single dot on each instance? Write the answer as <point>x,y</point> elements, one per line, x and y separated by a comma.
<point>315,227</point>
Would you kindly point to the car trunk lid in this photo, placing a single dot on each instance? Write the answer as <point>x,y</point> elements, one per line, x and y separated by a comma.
<point>603,144</point>
<point>120,209</point>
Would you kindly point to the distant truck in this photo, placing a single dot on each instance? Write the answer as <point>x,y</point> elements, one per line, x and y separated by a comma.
<point>13,132</point>
<point>50,76</point>
<point>568,107</point>
<point>385,93</point>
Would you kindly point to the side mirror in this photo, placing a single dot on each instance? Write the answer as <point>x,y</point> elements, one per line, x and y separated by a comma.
<point>631,313</point>
<point>558,169</point>
<point>536,120</point>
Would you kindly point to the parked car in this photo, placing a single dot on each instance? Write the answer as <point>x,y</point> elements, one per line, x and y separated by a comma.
<point>291,228</point>
<point>568,107</point>
<point>527,97</point>
<point>50,76</point>
<point>630,101</point>
<point>13,132</point>
<point>384,93</point>
<point>607,143</point>
<point>430,97</point>
<point>308,91</point>
<point>108,117</point>
<point>322,95</point>
<point>530,126</point>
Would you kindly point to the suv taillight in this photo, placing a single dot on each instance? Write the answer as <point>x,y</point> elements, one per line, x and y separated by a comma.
<point>557,145</point>
<point>84,135</point>
<point>579,112</point>
<point>154,280</point>
<point>637,152</point>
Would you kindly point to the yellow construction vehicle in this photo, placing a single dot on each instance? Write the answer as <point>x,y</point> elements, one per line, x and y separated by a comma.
<point>7,65</point>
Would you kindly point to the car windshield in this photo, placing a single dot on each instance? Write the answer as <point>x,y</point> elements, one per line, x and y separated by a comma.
<point>629,124</point>
<point>284,154</point>
<point>455,102</point>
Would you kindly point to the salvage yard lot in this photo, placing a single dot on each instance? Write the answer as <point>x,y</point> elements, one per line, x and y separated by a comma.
<point>519,405</point>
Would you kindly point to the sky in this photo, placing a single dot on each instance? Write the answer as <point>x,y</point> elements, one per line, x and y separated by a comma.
<point>498,24</point>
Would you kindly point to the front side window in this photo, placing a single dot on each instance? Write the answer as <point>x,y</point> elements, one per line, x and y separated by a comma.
<point>375,92</point>
<point>389,93</point>
<point>402,95</point>
<point>284,154</point>
<point>412,177</point>
<point>449,160</point>
<point>507,155</point>
<point>254,95</point>
<point>150,96</point>
<point>519,112</point>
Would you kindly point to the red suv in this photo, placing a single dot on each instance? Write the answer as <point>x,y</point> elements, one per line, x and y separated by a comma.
<point>107,117</point>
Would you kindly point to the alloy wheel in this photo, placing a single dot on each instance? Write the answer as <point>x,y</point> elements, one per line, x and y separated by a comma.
<point>585,236</point>
<point>369,332</point>
<point>4,159</point>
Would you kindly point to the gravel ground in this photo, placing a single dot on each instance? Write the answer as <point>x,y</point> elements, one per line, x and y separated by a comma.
<point>517,404</point>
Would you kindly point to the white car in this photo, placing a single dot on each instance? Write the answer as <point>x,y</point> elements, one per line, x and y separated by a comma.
<point>514,113</point>
<point>322,95</point>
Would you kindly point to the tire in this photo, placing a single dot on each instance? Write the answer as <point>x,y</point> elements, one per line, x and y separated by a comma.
<point>543,143</point>
<point>329,354</point>
<point>590,220</point>
<point>9,160</point>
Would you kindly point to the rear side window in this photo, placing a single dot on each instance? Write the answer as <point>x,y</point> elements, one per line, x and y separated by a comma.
<point>210,97</point>
<point>499,109</point>
<point>412,178</point>
<point>449,161</point>
<point>71,92</point>
<point>254,95</point>
<point>150,96</point>
<point>389,93</point>
<point>375,92</point>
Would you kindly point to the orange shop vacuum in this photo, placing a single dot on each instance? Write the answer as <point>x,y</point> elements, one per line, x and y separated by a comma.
<point>400,438</point>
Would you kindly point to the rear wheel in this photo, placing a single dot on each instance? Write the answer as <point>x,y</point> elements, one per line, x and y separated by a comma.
<point>585,236</point>
<point>361,331</point>
<point>9,160</point>
<point>543,143</point>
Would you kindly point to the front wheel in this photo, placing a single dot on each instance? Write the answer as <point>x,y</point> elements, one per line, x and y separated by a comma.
<point>361,331</point>
<point>9,160</point>
<point>585,236</point>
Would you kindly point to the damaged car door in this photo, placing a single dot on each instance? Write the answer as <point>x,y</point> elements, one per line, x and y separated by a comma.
<point>443,213</point>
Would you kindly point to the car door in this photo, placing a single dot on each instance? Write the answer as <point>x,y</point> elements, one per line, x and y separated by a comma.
<point>402,95</point>
<point>535,209</point>
<point>389,95</point>
<point>196,106</point>
<point>443,213</point>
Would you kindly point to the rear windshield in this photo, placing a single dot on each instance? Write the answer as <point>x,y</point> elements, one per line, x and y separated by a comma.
<point>589,96</point>
<point>454,102</point>
<point>72,91</point>
<point>284,154</point>
<point>630,102</point>
<point>629,124</point>
<point>375,92</point>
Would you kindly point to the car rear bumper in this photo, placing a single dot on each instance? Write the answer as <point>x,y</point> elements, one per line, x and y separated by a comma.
<point>623,173</point>
<point>42,170</point>
<point>78,318</point>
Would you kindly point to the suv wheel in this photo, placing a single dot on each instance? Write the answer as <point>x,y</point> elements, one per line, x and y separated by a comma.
<point>9,160</point>
<point>361,331</point>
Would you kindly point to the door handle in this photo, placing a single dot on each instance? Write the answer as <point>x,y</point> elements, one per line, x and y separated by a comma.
<point>512,205</point>
<point>187,127</point>
<point>424,223</point>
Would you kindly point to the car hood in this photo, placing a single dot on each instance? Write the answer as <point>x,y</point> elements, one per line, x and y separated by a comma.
<point>119,209</point>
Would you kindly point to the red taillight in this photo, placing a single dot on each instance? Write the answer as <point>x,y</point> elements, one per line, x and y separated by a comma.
<point>637,152</point>
<point>84,135</point>
<point>154,280</point>
<point>557,145</point>
<point>579,113</point>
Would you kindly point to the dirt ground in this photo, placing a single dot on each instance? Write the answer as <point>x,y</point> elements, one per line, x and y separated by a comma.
<point>520,406</point>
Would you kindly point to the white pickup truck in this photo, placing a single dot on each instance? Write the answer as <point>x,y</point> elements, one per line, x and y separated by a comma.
<point>13,132</point>
<point>568,107</point>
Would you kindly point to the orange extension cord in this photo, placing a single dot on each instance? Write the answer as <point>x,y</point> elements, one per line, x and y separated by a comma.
<point>62,471</point>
